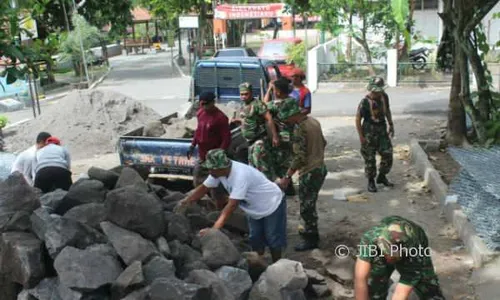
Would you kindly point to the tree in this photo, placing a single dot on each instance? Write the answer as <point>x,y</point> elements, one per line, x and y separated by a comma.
<point>462,39</point>
<point>70,47</point>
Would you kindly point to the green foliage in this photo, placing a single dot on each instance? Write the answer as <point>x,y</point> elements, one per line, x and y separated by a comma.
<point>70,46</point>
<point>401,12</point>
<point>3,121</point>
<point>296,55</point>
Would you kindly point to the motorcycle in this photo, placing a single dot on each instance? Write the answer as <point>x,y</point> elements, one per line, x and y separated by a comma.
<point>418,58</point>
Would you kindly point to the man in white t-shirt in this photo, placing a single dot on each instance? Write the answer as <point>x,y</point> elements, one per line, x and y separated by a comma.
<point>262,200</point>
<point>25,162</point>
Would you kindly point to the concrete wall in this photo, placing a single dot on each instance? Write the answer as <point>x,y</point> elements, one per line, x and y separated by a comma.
<point>427,22</point>
<point>318,62</point>
<point>491,26</point>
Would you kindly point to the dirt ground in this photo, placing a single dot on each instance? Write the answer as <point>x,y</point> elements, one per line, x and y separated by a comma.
<point>343,222</point>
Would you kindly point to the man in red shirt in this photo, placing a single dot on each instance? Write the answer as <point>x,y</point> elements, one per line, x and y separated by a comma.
<point>212,132</point>
<point>300,92</point>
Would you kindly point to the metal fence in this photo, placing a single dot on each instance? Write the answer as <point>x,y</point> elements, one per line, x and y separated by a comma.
<point>478,190</point>
<point>351,72</point>
<point>409,72</point>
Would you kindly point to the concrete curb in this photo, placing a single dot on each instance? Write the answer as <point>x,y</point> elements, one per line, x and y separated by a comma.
<point>179,68</point>
<point>101,79</point>
<point>481,255</point>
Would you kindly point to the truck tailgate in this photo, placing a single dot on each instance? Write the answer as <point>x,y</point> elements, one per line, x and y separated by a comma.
<point>165,155</point>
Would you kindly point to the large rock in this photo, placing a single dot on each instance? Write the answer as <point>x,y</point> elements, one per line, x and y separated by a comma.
<point>209,279</point>
<point>236,222</point>
<point>256,264</point>
<point>135,210</point>
<point>142,294</point>
<point>238,281</point>
<point>282,280</point>
<point>341,269</point>
<point>159,190</point>
<point>91,214</point>
<point>22,257</point>
<point>162,245</point>
<point>129,280</point>
<point>186,259</point>
<point>82,192</point>
<point>40,218</point>
<point>15,221</point>
<point>108,178</point>
<point>129,245</point>
<point>61,232</point>
<point>175,289</point>
<point>53,199</point>
<point>16,194</point>
<point>158,267</point>
<point>218,250</point>
<point>66,293</point>
<point>153,129</point>
<point>130,177</point>
<point>173,197</point>
<point>178,228</point>
<point>46,289</point>
<point>8,289</point>
<point>89,269</point>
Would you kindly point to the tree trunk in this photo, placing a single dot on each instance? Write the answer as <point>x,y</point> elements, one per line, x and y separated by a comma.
<point>201,31</point>
<point>456,114</point>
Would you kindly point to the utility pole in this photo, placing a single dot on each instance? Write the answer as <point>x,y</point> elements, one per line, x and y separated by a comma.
<point>75,10</point>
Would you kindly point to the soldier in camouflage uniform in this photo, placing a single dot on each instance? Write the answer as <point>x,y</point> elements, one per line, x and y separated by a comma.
<point>254,117</point>
<point>387,247</point>
<point>308,158</point>
<point>282,153</point>
<point>373,110</point>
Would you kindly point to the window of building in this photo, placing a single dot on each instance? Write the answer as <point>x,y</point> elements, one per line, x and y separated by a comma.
<point>419,4</point>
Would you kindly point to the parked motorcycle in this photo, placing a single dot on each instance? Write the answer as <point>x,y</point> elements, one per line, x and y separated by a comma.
<point>418,58</point>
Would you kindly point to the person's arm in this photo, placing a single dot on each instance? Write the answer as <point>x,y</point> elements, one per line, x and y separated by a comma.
<point>299,155</point>
<point>389,115</point>
<point>225,132</point>
<point>358,124</point>
<point>67,157</point>
<point>402,292</point>
<point>272,127</point>
<point>198,193</point>
<point>226,213</point>
<point>306,109</point>
<point>361,275</point>
<point>269,94</point>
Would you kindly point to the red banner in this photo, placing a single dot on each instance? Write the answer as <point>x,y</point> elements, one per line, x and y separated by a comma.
<point>250,11</point>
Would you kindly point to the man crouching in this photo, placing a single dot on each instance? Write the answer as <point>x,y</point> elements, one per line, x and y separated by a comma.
<point>262,200</point>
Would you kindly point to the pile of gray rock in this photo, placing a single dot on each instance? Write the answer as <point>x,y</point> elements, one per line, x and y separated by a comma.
<point>115,236</point>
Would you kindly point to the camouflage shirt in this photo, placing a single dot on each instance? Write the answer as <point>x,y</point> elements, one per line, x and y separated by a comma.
<point>285,131</point>
<point>307,157</point>
<point>396,230</point>
<point>253,120</point>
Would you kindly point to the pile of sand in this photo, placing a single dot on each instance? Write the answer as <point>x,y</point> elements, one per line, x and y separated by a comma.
<point>88,123</point>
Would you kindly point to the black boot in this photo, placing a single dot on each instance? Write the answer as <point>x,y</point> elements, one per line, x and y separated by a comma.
<point>383,180</point>
<point>310,241</point>
<point>372,188</point>
<point>276,254</point>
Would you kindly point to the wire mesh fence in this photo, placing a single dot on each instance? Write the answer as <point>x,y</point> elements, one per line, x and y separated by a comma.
<point>354,72</point>
<point>418,72</point>
<point>478,190</point>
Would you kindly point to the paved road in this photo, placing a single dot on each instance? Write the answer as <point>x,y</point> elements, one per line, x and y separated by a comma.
<point>153,79</point>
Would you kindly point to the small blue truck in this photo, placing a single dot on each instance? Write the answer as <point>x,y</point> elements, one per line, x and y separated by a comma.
<point>166,158</point>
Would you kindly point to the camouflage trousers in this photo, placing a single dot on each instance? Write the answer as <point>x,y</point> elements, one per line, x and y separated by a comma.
<point>425,283</point>
<point>377,141</point>
<point>310,184</point>
<point>282,158</point>
<point>260,156</point>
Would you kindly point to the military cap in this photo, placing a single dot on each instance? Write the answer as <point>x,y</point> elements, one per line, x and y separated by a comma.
<point>392,237</point>
<point>216,159</point>
<point>245,87</point>
<point>376,84</point>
